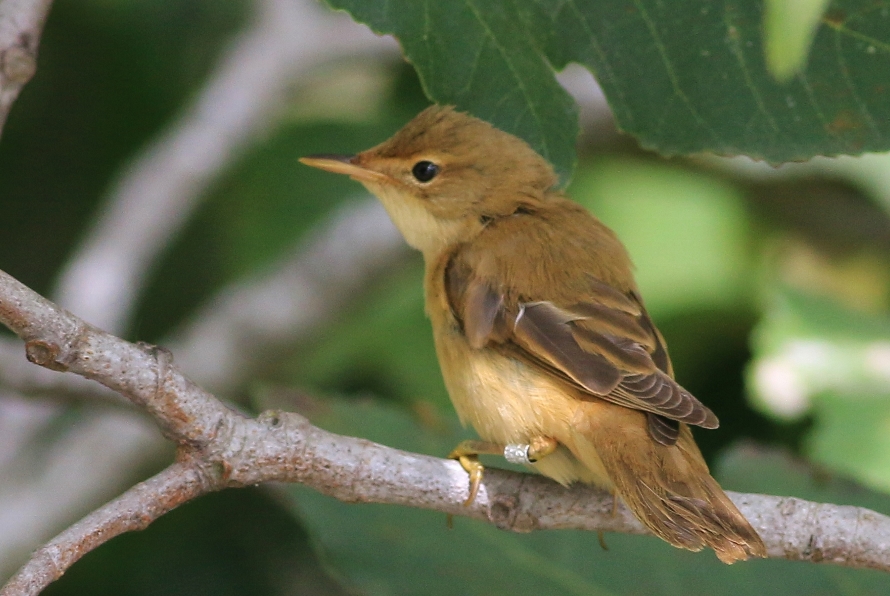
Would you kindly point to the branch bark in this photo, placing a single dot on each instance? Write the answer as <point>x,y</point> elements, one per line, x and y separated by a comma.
<point>219,448</point>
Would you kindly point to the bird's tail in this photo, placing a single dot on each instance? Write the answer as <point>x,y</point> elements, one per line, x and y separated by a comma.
<point>668,488</point>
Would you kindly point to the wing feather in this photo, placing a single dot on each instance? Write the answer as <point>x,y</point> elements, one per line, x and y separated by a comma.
<point>542,330</point>
<point>606,345</point>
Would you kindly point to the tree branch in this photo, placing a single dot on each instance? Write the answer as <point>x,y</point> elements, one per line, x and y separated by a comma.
<point>21,23</point>
<point>221,448</point>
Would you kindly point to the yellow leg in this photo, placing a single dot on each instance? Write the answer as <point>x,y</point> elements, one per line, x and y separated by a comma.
<point>467,454</point>
<point>468,451</point>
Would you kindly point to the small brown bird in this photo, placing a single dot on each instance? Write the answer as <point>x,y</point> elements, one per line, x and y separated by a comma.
<point>542,336</point>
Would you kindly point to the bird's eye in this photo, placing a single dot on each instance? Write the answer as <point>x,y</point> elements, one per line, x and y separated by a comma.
<point>425,171</point>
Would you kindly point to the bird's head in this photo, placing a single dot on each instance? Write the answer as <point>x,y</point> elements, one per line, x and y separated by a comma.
<point>445,175</point>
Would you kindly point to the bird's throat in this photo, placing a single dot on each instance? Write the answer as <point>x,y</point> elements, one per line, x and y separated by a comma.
<point>421,229</point>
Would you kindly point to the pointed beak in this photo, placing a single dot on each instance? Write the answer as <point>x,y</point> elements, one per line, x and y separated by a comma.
<point>344,164</point>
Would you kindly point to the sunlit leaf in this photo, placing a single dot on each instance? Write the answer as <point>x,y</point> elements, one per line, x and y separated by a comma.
<point>789,28</point>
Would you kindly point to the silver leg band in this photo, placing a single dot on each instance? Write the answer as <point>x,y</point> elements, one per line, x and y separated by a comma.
<point>517,454</point>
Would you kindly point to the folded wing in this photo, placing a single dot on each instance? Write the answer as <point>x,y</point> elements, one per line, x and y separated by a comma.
<point>605,345</point>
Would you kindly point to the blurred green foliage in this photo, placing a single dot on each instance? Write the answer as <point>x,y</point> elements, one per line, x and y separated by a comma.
<point>717,256</point>
<point>110,74</point>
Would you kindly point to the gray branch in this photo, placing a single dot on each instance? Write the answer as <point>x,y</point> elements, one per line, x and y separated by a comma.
<point>21,23</point>
<point>221,448</point>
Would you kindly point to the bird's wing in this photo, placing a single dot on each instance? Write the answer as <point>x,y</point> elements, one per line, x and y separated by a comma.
<point>605,345</point>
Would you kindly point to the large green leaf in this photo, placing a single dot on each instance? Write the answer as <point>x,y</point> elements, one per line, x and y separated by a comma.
<point>684,77</point>
<point>478,56</point>
<point>386,550</point>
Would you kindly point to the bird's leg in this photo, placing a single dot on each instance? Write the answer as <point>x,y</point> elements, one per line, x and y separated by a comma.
<point>534,450</point>
<point>540,447</point>
<point>467,453</point>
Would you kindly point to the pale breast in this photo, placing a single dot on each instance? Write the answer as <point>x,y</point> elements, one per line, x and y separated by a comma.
<point>506,401</point>
<point>502,398</point>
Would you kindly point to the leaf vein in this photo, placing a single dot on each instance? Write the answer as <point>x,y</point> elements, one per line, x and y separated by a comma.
<point>672,76</point>
<point>746,73</point>
<point>512,68</point>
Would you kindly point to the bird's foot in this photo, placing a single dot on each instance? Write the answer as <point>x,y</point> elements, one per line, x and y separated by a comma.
<point>467,453</point>
<point>541,447</point>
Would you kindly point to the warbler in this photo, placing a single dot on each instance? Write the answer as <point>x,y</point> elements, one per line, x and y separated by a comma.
<point>542,336</point>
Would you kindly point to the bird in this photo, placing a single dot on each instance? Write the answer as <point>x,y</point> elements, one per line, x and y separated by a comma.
<point>542,336</point>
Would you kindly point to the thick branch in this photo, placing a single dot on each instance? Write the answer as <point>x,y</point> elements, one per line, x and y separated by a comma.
<point>221,448</point>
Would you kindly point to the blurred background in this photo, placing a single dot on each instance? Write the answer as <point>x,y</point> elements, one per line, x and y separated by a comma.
<point>149,183</point>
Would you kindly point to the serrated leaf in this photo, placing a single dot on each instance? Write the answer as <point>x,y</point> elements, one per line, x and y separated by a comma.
<point>682,77</point>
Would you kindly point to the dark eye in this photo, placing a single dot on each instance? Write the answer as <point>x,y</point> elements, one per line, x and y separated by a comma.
<point>425,171</point>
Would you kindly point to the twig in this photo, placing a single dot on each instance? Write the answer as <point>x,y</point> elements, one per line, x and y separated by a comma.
<point>134,510</point>
<point>21,23</point>
<point>221,448</point>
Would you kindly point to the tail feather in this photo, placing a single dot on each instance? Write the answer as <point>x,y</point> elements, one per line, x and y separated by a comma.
<point>668,488</point>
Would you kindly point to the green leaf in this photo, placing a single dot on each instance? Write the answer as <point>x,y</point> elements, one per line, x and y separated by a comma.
<point>682,77</point>
<point>789,28</point>
<point>386,550</point>
<point>690,77</point>
<point>477,56</point>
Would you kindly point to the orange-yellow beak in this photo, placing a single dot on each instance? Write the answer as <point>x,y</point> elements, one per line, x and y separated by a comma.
<point>344,164</point>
